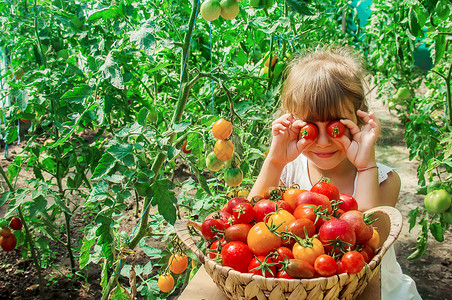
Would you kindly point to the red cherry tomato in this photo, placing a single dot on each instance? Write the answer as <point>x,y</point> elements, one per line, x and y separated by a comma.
<point>360,224</point>
<point>243,213</point>
<point>337,235</point>
<point>327,189</point>
<point>335,129</point>
<point>283,274</point>
<point>353,262</point>
<point>8,243</point>
<point>310,197</point>
<point>236,255</point>
<point>263,266</point>
<point>233,202</point>
<point>215,248</point>
<point>347,202</point>
<point>15,223</point>
<point>284,253</point>
<point>309,131</point>
<point>325,265</point>
<point>212,228</point>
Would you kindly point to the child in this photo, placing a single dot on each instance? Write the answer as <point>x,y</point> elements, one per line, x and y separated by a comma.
<point>321,87</point>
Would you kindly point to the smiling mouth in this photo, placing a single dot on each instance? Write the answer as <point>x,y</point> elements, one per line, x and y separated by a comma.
<point>325,155</point>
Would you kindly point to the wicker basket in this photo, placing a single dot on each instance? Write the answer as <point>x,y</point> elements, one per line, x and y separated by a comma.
<point>236,285</point>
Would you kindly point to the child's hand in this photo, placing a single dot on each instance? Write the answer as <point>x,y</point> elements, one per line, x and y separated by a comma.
<point>286,143</point>
<point>360,149</point>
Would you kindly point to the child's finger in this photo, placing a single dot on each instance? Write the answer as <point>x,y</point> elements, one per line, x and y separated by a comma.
<point>354,129</point>
<point>278,128</point>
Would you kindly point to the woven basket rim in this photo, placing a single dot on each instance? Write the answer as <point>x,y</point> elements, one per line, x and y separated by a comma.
<point>395,219</point>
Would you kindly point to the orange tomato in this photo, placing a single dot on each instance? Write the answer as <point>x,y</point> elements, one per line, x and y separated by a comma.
<point>222,129</point>
<point>290,196</point>
<point>166,283</point>
<point>178,263</point>
<point>223,149</point>
<point>308,252</point>
<point>374,241</point>
<point>261,240</point>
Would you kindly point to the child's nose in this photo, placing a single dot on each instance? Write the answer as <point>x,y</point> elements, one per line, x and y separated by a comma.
<point>323,138</point>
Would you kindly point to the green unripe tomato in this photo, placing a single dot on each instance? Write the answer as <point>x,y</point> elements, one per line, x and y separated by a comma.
<point>213,163</point>
<point>437,201</point>
<point>255,3</point>
<point>279,68</point>
<point>233,176</point>
<point>210,10</point>
<point>403,93</point>
<point>229,9</point>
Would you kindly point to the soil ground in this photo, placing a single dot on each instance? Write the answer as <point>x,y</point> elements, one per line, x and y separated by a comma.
<point>432,273</point>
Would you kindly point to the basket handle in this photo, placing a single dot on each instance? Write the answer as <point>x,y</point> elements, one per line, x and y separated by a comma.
<point>181,228</point>
<point>395,220</point>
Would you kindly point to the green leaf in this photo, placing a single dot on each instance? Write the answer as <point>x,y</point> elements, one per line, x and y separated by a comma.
<point>106,163</point>
<point>180,127</point>
<point>413,22</point>
<point>144,37</point>
<point>119,293</point>
<point>21,98</point>
<point>164,199</point>
<point>299,7</point>
<point>85,250</point>
<point>99,192</point>
<point>37,206</point>
<point>437,231</point>
<point>123,153</point>
<point>440,47</point>
<point>110,70</point>
<point>413,214</point>
<point>77,94</point>
<point>106,13</point>
<point>4,197</point>
<point>62,205</point>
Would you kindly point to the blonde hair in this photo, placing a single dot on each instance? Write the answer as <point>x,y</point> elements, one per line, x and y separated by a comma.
<point>322,85</point>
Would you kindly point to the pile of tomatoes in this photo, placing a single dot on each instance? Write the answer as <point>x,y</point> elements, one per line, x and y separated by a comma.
<point>8,240</point>
<point>292,233</point>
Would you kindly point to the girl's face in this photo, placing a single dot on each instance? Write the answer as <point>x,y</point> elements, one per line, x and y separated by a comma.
<point>325,151</point>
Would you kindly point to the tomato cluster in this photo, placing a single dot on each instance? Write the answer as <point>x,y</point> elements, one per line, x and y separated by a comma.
<point>177,264</point>
<point>8,240</point>
<point>213,9</point>
<point>292,233</point>
<point>223,153</point>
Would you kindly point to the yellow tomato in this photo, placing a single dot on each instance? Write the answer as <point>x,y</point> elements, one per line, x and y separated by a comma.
<point>308,252</point>
<point>281,218</point>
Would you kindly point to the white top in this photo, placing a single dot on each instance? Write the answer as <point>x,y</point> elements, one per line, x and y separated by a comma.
<point>296,171</point>
<point>394,284</point>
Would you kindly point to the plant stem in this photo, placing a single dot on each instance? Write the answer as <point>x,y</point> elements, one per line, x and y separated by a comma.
<point>27,236</point>
<point>33,252</point>
<point>159,161</point>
